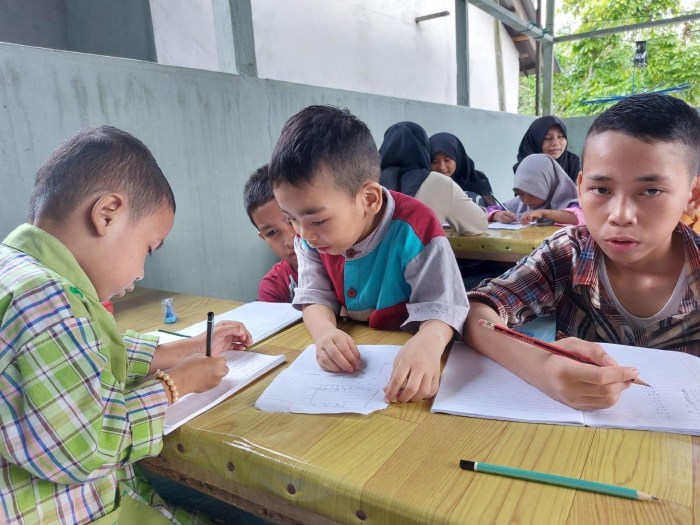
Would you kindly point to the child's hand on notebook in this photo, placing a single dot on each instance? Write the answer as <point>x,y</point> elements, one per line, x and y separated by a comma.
<point>336,351</point>
<point>416,373</point>
<point>583,386</point>
<point>532,216</point>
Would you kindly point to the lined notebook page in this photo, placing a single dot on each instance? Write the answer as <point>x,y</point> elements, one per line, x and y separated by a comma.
<point>261,319</point>
<point>307,389</point>
<point>672,404</point>
<point>473,385</point>
<point>243,368</point>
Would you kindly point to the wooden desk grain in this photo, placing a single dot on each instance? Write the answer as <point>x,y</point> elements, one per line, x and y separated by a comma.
<point>499,245</point>
<point>401,465</point>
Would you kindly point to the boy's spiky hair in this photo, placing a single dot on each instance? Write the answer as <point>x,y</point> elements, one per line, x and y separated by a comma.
<point>653,118</point>
<point>330,137</point>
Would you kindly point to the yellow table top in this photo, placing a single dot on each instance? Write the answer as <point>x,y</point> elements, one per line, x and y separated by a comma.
<point>499,245</point>
<point>401,465</point>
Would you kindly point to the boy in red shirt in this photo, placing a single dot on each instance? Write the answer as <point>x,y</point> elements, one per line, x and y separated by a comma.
<point>274,228</point>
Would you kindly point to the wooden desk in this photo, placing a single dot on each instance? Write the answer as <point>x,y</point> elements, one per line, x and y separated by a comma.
<point>499,245</point>
<point>401,465</point>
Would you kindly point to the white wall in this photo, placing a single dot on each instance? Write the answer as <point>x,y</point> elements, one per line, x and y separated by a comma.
<point>369,46</point>
<point>184,33</point>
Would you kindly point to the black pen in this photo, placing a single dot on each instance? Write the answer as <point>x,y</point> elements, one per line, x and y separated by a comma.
<point>210,327</point>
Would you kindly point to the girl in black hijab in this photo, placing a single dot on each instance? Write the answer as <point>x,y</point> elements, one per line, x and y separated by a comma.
<point>548,135</point>
<point>405,158</point>
<point>445,147</point>
<point>405,162</point>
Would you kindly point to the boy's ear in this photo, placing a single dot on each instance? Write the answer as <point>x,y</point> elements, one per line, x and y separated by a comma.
<point>261,235</point>
<point>372,197</point>
<point>579,179</point>
<point>693,206</point>
<point>106,211</point>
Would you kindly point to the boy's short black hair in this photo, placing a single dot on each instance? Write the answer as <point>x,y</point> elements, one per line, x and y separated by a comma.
<point>96,161</point>
<point>257,191</point>
<point>653,118</point>
<point>330,137</point>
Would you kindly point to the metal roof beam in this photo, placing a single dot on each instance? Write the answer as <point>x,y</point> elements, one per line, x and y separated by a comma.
<point>512,20</point>
<point>621,29</point>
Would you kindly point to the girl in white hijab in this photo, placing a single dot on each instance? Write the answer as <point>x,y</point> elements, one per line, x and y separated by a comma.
<point>545,193</point>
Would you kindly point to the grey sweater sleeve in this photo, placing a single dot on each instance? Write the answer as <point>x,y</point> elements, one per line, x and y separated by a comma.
<point>315,286</point>
<point>437,290</point>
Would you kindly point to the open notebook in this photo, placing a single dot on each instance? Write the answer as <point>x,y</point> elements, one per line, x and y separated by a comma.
<point>473,385</point>
<point>307,389</point>
<point>261,319</point>
<point>507,226</point>
<point>243,368</point>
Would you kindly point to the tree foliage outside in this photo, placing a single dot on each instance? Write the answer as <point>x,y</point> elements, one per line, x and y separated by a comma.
<point>595,68</point>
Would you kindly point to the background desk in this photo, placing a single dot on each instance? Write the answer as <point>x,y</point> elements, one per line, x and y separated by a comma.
<point>401,465</point>
<point>499,245</point>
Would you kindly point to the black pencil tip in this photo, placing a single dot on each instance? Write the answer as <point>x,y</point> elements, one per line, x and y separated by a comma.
<point>466,465</point>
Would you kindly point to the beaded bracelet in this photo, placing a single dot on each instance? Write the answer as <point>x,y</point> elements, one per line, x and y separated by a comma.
<point>162,376</point>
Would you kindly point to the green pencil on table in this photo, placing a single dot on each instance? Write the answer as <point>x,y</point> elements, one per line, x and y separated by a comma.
<point>553,479</point>
<point>172,333</point>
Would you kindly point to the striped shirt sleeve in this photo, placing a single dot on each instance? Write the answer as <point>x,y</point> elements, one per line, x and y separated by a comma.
<point>68,419</point>
<point>140,349</point>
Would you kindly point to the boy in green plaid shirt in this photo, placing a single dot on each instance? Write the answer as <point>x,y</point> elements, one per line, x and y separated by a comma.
<point>78,401</point>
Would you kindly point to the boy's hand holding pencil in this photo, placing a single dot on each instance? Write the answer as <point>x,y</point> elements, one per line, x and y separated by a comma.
<point>225,335</point>
<point>198,373</point>
<point>586,379</point>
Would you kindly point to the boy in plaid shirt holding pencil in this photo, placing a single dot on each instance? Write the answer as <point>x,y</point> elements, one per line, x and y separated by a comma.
<point>631,276</point>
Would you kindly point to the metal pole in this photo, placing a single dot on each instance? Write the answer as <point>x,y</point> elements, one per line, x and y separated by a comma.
<point>538,63</point>
<point>431,16</point>
<point>235,41</point>
<point>462,51</point>
<point>499,66</point>
<point>548,61</point>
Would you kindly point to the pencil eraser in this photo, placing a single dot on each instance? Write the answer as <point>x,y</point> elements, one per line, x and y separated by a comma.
<point>466,465</point>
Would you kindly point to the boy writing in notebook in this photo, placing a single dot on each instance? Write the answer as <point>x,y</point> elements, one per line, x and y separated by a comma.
<point>274,228</point>
<point>79,401</point>
<point>630,276</point>
<point>363,251</point>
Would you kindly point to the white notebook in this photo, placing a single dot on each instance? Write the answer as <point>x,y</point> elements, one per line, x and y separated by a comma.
<point>507,226</point>
<point>244,368</point>
<point>473,385</point>
<point>261,319</point>
<point>307,389</point>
